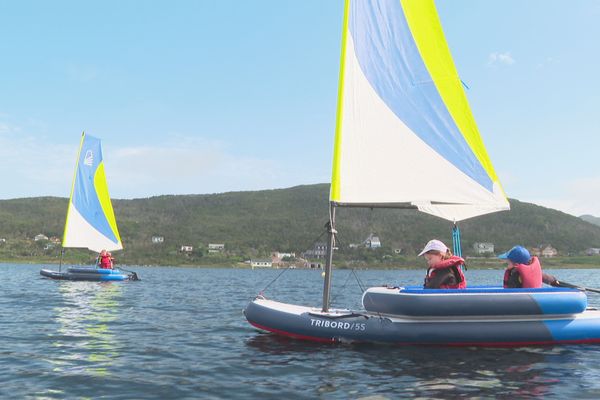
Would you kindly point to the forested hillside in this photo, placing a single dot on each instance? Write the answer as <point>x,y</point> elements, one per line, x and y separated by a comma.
<point>252,224</point>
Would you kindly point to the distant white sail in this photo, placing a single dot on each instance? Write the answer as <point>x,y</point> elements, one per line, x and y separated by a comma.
<point>404,131</point>
<point>90,217</point>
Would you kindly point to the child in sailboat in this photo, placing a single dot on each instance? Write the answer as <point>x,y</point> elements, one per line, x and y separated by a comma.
<point>444,270</point>
<point>105,260</point>
<point>524,271</point>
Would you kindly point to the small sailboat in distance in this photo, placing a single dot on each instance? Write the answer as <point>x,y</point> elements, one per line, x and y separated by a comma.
<point>90,221</point>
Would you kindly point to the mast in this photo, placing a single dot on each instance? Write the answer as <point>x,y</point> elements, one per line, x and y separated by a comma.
<point>335,172</point>
<point>329,261</point>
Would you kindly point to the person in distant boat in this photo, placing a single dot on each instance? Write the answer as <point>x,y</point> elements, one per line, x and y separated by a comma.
<point>524,271</point>
<point>105,260</point>
<point>444,270</point>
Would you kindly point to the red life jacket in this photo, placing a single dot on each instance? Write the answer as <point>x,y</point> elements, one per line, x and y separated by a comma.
<point>105,262</point>
<point>530,274</point>
<point>453,264</point>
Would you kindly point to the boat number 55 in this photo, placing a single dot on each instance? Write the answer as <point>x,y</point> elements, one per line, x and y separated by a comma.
<point>349,326</point>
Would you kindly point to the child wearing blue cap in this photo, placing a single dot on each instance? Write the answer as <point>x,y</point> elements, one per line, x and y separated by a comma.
<point>523,270</point>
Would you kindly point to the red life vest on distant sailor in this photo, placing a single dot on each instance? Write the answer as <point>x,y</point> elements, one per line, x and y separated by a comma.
<point>531,274</point>
<point>453,263</point>
<point>105,262</point>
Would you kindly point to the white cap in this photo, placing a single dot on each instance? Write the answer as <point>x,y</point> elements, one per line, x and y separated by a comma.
<point>434,245</point>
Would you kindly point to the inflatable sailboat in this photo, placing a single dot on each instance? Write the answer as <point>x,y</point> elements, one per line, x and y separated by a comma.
<point>406,138</point>
<point>90,219</point>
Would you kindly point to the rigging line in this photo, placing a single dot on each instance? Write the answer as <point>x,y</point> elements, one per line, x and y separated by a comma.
<point>319,237</point>
<point>358,280</point>
<point>339,243</point>
<point>342,288</point>
<point>270,283</point>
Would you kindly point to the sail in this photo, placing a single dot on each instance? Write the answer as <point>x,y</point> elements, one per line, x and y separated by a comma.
<point>405,133</point>
<point>90,217</point>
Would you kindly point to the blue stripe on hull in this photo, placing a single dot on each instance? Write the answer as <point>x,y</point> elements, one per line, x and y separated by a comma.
<point>575,330</point>
<point>80,274</point>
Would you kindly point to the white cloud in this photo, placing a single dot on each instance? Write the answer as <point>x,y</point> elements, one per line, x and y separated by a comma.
<point>578,197</point>
<point>33,166</point>
<point>184,166</point>
<point>500,58</point>
<point>7,128</point>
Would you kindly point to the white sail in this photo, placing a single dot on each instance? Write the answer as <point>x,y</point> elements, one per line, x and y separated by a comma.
<point>405,132</point>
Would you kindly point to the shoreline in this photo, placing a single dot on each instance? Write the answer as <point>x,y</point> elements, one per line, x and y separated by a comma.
<point>472,264</point>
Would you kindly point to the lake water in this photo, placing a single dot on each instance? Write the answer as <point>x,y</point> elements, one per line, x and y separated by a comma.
<point>180,333</point>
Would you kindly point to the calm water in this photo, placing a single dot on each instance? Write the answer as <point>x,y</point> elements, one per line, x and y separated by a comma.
<point>180,333</point>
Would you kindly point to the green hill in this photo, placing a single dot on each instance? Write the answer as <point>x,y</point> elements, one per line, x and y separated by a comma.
<point>591,219</point>
<point>252,224</point>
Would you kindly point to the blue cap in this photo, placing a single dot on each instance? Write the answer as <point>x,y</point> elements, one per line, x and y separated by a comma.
<point>518,255</point>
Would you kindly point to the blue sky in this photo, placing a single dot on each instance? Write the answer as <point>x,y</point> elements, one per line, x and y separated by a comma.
<point>213,96</point>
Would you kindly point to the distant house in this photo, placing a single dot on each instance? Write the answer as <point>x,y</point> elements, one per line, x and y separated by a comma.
<point>319,250</point>
<point>55,240</point>
<point>313,265</point>
<point>544,251</point>
<point>483,248</point>
<point>593,251</point>
<point>2,240</point>
<point>372,242</point>
<point>187,249</point>
<point>280,255</point>
<point>277,257</point>
<point>216,247</point>
<point>158,239</point>
<point>39,237</point>
<point>261,264</point>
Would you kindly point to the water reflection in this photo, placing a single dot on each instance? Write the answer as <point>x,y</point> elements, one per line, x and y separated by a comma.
<point>428,372</point>
<point>85,343</point>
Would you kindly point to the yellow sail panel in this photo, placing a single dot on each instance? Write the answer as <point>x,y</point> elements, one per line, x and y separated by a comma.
<point>335,175</point>
<point>104,197</point>
<point>424,23</point>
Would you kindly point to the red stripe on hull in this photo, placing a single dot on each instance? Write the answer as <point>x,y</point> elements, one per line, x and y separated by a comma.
<point>475,344</point>
<point>294,335</point>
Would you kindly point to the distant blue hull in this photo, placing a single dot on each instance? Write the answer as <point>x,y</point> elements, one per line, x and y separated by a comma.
<point>87,274</point>
<point>492,330</point>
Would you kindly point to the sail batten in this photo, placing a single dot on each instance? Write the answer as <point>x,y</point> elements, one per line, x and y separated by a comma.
<point>404,131</point>
<point>90,219</point>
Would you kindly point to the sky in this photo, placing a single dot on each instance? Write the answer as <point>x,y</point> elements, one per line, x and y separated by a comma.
<point>209,96</point>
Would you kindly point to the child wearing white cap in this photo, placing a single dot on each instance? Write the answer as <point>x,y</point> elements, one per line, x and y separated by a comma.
<point>444,270</point>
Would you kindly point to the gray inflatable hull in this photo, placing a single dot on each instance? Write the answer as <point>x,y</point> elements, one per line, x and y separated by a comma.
<point>482,300</point>
<point>496,331</point>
